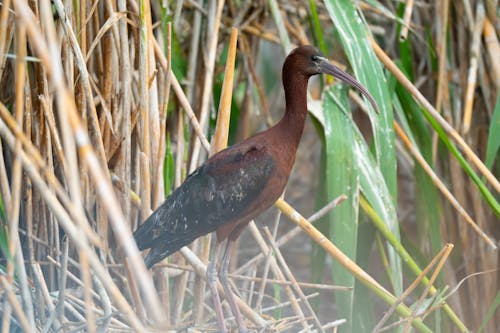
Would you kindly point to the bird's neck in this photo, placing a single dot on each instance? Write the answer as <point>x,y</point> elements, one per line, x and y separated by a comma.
<point>292,123</point>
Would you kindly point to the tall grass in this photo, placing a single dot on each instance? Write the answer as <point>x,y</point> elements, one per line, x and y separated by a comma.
<point>105,106</point>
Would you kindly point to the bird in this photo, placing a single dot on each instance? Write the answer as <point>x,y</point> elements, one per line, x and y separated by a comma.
<point>238,183</point>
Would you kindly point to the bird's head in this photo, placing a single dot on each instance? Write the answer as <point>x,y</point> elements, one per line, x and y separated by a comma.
<point>308,61</point>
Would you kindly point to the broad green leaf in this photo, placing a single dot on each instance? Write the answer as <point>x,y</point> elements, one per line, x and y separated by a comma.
<point>353,34</point>
<point>341,178</point>
<point>364,305</point>
<point>318,255</point>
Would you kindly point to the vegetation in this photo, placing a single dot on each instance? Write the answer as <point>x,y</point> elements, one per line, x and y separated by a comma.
<point>105,106</point>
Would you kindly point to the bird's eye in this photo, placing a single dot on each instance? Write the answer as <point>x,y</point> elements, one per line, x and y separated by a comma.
<point>315,57</point>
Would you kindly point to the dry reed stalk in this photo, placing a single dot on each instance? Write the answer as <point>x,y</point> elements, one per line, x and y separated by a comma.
<point>295,231</point>
<point>441,187</point>
<point>220,139</point>
<point>21,316</point>
<point>144,110</point>
<point>28,219</point>
<point>98,175</point>
<point>73,232</point>
<point>276,271</point>
<point>40,283</point>
<point>125,129</point>
<point>245,48</point>
<point>442,94</point>
<point>260,33</point>
<point>410,288</point>
<point>25,287</point>
<point>279,21</point>
<point>366,207</point>
<point>280,282</point>
<point>345,261</point>
<point>194,54</point>
<point>163,274</point>
<point>55,138</point>
<point>14,208</point>
<point>268,261</point>
<point>472,73</point>
<point>106,303</point>
<point>213,34</point>
<point>58,77</point>
<point>447,250</point>
<point>68,274</point>
<point>297,31</point>
<point>51,179</point>
<point>179,297</point>
<point>252,275</point>
<point>87,295</point>
<point>201,269</point>
<point>5,31</point>
<point>182,99</point>
<point>405,25</point>
<point>493,48</point>
<point>291,278</point>
<point>57,315</point>
<point>391,66</point>
<point>157,157</point>
<point>265,275</point>
<point>158,168</point>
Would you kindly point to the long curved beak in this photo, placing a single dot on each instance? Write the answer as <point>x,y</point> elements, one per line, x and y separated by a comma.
<point>327,68</point>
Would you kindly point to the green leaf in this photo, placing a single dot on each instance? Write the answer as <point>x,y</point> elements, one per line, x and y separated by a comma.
<point>491,311</point>
<point>405,51</point>
<point>493,135</point>
<point>318,255</point>
<point>428,205</point>
<point>363,317</point>
<point>316,26</point>
<point>179,61</point>
<point>353,33</point>
<point>341,178</point>
<point>169,167</point>
<point>4,233</point>
<point>483,189</point>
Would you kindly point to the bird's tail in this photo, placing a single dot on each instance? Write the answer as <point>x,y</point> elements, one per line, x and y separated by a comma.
<point>143,236</point>
<point>160,251</point>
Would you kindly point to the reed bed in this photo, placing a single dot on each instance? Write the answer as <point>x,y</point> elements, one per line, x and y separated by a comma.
<point>106,106</point>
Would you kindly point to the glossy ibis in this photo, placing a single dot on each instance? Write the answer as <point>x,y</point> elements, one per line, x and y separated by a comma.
<point>238,183</point>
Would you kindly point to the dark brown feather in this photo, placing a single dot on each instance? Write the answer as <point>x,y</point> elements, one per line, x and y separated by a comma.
<point>220,192</point>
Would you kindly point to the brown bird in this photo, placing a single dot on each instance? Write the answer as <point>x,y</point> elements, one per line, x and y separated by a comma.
<point>237,184</point>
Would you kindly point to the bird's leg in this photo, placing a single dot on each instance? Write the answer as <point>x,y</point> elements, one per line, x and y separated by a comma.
<point>223,271</point>
<point>212,284</point>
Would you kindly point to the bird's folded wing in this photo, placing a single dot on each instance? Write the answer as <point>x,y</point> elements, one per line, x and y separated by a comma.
<point>220,191</point>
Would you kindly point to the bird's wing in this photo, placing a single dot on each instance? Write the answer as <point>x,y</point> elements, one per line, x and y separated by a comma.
<point>220,191</point>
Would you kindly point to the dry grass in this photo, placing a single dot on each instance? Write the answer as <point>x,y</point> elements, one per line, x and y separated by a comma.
<point>103,109</point>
